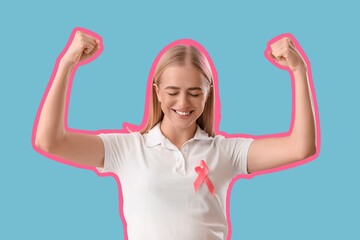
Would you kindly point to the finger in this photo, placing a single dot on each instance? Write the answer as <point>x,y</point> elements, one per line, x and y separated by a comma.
<point>88,48</point>
<point>89,45</point>
<point>83,35</point>
<point>293,49</point>
<point>95,49</point>
<point>281,54</point>
<point>278,44</point>
<point>271,55</point>
<point>277,55</point>
<point>284,42</point>
<point>291,44</point>
<point>279,47</point>
<point>85,39</point>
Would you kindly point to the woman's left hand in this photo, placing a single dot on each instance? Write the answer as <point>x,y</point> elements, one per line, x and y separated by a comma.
<point>284,52</point>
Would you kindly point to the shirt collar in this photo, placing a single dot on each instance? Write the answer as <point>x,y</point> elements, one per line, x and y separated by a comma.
<point>155,137</point>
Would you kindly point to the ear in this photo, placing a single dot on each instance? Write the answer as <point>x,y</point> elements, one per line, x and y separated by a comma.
<point>157,90</point>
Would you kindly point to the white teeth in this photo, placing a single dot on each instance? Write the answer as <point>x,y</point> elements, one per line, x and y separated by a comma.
<point>182,113</point>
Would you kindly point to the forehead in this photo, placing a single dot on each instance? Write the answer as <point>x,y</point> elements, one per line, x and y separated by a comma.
<point>182,76</point>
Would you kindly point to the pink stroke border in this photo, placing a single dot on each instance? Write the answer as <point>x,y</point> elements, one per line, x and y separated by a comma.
<point>217,118</point>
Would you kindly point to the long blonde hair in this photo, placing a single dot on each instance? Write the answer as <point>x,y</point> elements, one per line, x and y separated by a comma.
<point>180,55</point>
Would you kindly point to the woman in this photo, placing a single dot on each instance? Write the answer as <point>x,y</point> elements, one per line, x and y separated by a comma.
<point>176,171</point>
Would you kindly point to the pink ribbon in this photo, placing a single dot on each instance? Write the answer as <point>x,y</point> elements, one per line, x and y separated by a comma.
<point>202,171</point>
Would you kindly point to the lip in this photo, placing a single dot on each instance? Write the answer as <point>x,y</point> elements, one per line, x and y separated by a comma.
<point>183,115</point>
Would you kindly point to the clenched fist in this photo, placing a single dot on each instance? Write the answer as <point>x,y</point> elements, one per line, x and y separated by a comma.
<point>284,52</point>
<point>82,47</point>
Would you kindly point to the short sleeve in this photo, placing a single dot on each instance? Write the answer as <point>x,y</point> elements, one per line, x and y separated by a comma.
<point>116,147</point>
<point>237,149</point>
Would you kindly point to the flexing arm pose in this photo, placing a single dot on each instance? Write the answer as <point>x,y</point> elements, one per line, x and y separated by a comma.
<point>87,149</point>
<point>51,134</point>
<point>267,153</point>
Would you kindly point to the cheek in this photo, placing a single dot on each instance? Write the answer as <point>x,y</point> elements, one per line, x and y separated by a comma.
<point>201,102</point>
<point>161,97</point>
<point>166,100</point>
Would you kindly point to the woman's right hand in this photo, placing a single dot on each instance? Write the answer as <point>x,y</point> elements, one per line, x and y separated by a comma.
<point>82,47</point>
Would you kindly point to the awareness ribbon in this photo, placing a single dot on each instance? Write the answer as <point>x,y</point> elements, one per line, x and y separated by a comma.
<point>202,171</point>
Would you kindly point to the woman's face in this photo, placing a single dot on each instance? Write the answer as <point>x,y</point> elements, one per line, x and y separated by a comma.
<point>182,92</point>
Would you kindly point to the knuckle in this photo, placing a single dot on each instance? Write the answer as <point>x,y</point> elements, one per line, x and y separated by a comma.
<point>80,35</point>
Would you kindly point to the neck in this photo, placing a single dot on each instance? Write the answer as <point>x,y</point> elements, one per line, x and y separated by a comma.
<point>178,136</point>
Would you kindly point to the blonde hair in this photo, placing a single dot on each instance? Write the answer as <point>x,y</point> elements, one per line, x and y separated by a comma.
<point>181,55</point>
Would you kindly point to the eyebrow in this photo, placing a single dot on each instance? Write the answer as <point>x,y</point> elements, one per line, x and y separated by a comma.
<point>177,88</point>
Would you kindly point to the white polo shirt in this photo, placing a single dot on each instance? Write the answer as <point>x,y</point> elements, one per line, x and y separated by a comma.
<point>157,180</point>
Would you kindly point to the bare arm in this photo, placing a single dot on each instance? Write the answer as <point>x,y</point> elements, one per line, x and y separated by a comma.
<point>267,153</point>
<point>51,134</point>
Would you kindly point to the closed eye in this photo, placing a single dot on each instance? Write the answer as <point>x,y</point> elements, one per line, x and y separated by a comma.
<point>195,93</point>
<point>191,94</point>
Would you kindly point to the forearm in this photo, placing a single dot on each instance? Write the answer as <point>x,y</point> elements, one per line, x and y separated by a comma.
<point>51,121</point>
<point>302,137</point>
<point>271,152</point>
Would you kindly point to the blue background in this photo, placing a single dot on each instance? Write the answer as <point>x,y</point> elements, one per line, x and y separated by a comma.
<point>44,199</point>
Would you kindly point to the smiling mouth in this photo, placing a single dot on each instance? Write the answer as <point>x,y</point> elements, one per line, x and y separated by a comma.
<point>183,113</point>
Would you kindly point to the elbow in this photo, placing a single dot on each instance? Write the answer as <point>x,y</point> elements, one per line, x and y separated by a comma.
<point>48,141</point>
<point>302,146</point>
<point>305,151</point>
<point>44,144</point>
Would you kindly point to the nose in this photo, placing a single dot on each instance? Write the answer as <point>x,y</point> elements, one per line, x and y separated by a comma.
<point>184,100</point>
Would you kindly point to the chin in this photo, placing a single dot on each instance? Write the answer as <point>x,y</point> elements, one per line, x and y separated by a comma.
<point>184,121</point>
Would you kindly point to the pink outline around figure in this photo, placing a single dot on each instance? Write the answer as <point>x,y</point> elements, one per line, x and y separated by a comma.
<point>217,117</point>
